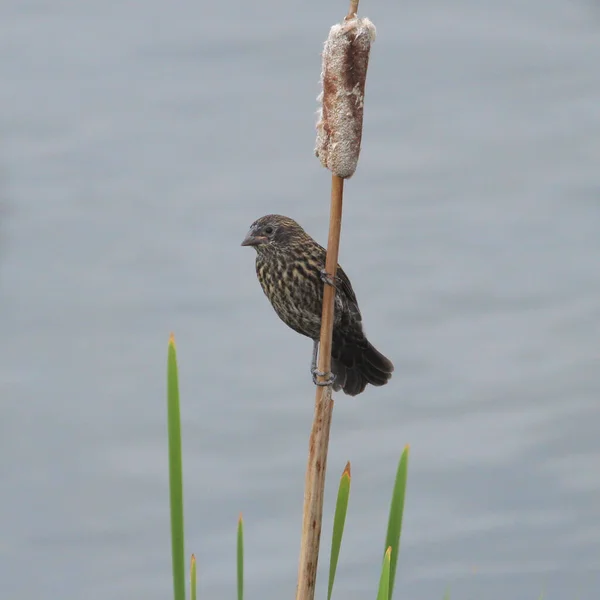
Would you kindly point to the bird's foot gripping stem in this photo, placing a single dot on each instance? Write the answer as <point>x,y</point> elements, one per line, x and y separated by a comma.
<point>327,278</point>
<point>330,378</point>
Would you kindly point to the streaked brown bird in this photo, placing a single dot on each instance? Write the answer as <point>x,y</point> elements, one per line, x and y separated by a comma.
<point>291,270</point>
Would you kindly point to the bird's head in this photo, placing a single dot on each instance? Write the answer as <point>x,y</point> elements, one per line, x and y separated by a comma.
<point>273,233</point>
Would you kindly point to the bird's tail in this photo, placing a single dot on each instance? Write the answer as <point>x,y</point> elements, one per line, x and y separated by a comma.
<point>356,362</point>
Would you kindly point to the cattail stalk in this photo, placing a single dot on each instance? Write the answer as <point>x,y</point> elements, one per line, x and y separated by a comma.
<point>339,132</point>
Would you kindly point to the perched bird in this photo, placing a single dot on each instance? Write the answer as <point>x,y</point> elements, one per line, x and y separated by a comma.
<point>291,270</point>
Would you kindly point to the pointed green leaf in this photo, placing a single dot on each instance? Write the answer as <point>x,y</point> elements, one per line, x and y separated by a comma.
<point>384,581</point>
<point>175,474</point>
<point>240,559</point>
<point>396,512</point>
<point>193,578</point>
<point>339,521</point>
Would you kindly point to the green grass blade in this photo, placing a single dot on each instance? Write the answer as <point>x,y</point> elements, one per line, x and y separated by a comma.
<point>447,594</point>
<point>396,512</point>
<point>240,559</point>
<point>339,521</point>
<point>193,578</point>
<point>175,474</point>
<point>384,581</point>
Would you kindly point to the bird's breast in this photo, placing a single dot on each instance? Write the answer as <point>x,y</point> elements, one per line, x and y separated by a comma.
<point>295,290</point>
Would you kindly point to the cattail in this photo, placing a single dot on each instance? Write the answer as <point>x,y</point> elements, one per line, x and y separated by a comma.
<point>339,132</point>
<point>343,76</point>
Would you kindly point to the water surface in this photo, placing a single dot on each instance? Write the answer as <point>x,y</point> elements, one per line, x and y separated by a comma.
<point>138,142</point>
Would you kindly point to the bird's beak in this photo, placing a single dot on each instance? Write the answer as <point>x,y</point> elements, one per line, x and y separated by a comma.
<point>253,240</point>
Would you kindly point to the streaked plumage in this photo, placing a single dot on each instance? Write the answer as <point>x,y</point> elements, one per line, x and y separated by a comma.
<point>289,264</point>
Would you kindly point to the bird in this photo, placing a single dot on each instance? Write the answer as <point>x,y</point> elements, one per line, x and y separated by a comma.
<point>290,266</point>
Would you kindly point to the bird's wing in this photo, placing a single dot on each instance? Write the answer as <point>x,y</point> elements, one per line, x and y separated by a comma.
<point>346,288</point>
<point>343,285</point>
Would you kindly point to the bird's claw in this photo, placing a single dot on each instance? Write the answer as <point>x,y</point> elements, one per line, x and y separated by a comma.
<point>327,278</point>
<point>330,378</point>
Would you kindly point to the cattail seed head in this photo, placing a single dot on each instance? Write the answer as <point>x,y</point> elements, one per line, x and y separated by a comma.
<point>343,77</point>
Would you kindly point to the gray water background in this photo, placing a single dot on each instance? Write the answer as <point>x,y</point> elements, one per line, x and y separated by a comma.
<point>138,142</point>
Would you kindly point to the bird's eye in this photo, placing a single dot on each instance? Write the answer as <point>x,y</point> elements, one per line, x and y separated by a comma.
<point>268,230</point>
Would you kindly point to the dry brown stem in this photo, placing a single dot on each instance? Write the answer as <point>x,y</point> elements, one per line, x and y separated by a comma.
<point>314,485</point>
<point>352,10</point>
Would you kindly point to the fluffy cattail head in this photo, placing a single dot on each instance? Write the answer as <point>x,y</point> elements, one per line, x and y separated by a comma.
<point>343,77</point>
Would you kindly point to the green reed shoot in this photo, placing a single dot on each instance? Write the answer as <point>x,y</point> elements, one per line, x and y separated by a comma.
<point>383,593</point>
<point>396,512</point>
<point>175,474</point>
<point>339,521</point>
<point>240,559</point>
<point>193,578</point>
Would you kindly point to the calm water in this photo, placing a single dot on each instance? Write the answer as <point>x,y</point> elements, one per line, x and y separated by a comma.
<point>138,140</point>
